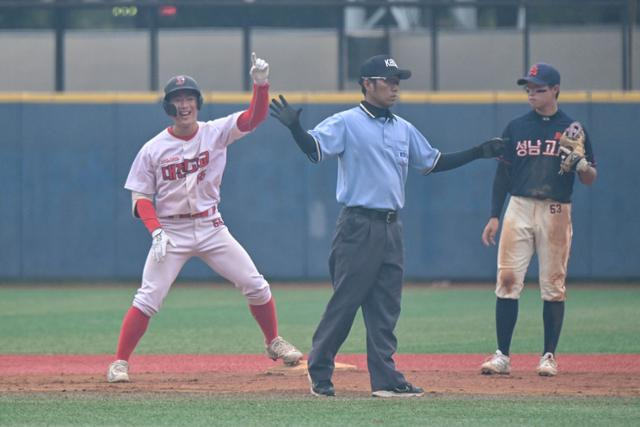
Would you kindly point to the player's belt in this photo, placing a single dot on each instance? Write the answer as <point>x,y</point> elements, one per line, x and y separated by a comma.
<point>377,214</point>
<point>202,214</point>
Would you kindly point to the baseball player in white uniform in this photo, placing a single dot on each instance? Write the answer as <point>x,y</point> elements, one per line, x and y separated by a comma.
<point>181,168</point>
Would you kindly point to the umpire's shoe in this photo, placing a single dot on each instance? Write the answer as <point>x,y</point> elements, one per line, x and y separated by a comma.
<point>402,390</point>
<point>118,372</point>
<point>281,349</point>
<point>322,388</point>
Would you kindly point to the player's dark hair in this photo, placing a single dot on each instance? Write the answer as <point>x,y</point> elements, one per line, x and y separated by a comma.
<point>361,83</point>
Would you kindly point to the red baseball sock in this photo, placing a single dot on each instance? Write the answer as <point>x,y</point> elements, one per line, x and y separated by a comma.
<point>134,326</point>
<point>266,317</point>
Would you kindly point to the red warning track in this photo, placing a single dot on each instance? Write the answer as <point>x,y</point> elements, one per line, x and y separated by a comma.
<point>579,374</point>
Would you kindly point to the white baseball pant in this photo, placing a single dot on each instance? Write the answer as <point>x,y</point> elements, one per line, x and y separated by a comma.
<point>540,226</point>
<point>209,239</point>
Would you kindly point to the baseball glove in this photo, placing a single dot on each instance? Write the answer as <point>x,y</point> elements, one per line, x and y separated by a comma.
<point>571,147</point>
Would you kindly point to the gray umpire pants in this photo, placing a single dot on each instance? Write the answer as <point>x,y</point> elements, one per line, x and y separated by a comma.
<point>366,266</point>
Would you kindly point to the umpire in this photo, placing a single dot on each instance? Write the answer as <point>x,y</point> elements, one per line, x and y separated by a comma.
<point>374,148</point>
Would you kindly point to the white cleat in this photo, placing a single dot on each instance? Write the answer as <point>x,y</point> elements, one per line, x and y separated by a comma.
<point>498,363</point>
<point>281,349</point>
<point>548,367</point>
<point>118,372</point>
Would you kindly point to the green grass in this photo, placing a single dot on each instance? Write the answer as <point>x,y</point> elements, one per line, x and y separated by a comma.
<point>202,319</point>
<point>194,410</point>
<point>86,320</point>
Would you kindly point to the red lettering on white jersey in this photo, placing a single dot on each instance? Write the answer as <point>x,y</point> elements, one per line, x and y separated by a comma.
<point>185,167</point>
<point>171,159</point>
<point>185,176</point>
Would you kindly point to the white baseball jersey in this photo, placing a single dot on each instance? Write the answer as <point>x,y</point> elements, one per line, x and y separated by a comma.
<point>185,176</point>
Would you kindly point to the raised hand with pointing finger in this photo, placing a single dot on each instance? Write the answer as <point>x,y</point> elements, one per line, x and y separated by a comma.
<point>259,70</point>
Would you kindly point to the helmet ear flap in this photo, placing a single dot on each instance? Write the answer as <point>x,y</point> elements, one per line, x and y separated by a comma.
<point>200,101</point>
<point>170,109</point>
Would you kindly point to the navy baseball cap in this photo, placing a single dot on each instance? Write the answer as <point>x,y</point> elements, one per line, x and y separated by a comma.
<point>382,66</point>
<point>541,74</point>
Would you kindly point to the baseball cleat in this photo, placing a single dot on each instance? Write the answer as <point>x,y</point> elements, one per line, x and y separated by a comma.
<point>281,349</point>
<point>548,367</point>
<point>403,390</point>
<point>118,372</point>
<point>497,363</point>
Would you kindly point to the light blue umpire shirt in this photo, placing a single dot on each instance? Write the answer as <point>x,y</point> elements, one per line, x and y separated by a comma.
<point>374,155</point>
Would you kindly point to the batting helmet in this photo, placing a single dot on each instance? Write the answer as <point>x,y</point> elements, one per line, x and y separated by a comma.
<point>175,84</point>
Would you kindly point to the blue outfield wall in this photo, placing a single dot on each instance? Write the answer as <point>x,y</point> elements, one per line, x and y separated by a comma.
<point>65,214</point>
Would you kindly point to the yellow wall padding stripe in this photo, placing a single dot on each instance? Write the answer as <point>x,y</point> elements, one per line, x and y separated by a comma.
<point>317,97</point>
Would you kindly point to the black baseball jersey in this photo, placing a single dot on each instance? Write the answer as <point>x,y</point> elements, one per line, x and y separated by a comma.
<point>531,161</point>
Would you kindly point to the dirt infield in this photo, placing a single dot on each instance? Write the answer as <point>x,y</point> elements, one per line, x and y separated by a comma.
<point>580,375</point>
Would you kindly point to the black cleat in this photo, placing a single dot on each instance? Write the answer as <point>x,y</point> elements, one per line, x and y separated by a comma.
<point>402,390</point>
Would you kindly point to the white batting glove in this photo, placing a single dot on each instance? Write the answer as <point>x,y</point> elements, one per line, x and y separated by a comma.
<point>259,70</point>
<point>159,244</point>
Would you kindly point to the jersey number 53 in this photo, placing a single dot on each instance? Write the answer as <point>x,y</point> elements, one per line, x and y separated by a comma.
<point>555,208</point>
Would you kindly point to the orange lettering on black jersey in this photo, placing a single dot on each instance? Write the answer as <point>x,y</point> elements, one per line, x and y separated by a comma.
<point>522,148</point>
<point>537,148</point>
<point>550,148</point>
<point>534,148</point>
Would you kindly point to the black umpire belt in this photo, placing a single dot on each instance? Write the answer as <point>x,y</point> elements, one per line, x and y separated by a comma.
<point>377,214</point>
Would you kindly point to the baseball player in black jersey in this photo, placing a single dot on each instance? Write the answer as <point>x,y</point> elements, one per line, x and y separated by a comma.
<point>537,169</point>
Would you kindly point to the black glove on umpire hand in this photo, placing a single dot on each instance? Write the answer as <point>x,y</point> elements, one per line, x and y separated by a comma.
<point>290,117</point>
<point>488,149</point>
<point>285,113</point>
<point>493,147</point>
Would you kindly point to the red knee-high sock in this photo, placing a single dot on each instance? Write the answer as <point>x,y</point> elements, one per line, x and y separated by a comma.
<point>134,326</point>
<point>266,317</point>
